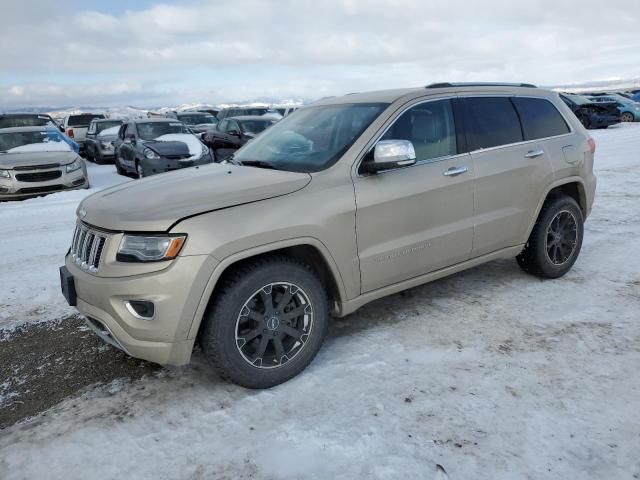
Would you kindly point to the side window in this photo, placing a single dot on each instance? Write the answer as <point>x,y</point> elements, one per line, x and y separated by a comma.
<point>430,127</point>
<point>540,118</point>
<point>223,126</point>
<point>491,122</point>
<point>92,128</point>
<point>233,125</point>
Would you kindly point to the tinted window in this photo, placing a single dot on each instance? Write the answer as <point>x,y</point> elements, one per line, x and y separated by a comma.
<point>25,121</point>
<point>490,122</point>
<point>540,119</point>
<point>430,127</point>
<point>255,126</point>
<point>82,120</point>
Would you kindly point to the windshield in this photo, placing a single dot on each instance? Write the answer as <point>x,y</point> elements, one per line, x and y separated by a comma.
<point>82,120</point>
<point>578,100</point>
<point>198,119</point>
<point>313,139</point>
<point>104,125</point>
<point>153,130</point>
<point>25,121</point>
<point>40,141</point>
<point>255,126</point>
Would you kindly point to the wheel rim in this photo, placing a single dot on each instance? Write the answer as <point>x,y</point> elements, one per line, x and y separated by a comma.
<point>562,237</point>
<point>627,117</point>
<point>274,325</point>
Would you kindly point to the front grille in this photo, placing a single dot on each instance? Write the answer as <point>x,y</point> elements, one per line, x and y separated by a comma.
<point>87,247</point>
<point>38,176</point>
<point>176,157</point>
<point>47,189</point>
<point>38,167</point>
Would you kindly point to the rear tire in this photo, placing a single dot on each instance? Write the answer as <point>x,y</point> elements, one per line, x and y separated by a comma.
<point>627,117</point>
<point>267,322</point>
<point>556,239</point>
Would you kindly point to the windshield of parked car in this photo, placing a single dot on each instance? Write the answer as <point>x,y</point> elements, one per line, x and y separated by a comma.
<point>38,141</point>
<point>82,120</point>
<point>253,127</point>
<point>311,140</point>
<point>24,121</point>
<point>198,119</point>
<point>578,99</point>
<point>153,130</point>
<point>100,126</point>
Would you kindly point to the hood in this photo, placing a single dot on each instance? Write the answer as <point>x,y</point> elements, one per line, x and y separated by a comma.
<point>107,138</point>
<point>9,161</point>
<point>155,203</point>
<point>169,148</point>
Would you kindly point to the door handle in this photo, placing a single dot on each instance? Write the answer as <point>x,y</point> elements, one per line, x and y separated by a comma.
<point>534,153</point>
<point>455,171</point>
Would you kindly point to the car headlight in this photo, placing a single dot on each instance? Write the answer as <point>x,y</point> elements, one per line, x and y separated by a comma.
<point>106,145</point>
<point>150,154</point>
<point>76,165</point>
<point>4,174</point>
<point>150,248</point>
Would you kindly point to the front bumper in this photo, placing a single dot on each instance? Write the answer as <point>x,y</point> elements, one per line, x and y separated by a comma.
<point>17,187</point>
<point>162,165</point>
<point>176,292</point>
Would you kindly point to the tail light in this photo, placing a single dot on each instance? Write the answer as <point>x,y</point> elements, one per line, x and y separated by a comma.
<point>70,132</point>
<point>592,145</point>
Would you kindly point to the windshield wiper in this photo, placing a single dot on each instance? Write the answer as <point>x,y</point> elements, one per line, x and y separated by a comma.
<point>259,164</point>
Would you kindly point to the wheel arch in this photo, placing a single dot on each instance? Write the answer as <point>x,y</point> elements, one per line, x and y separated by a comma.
<point>571,186</point>
<point>310,250</point>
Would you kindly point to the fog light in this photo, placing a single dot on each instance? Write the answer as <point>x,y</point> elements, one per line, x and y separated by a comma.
<point>4,189</point>
<point>142,309</point>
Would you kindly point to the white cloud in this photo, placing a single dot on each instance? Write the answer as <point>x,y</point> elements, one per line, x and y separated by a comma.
<point>250,48</point>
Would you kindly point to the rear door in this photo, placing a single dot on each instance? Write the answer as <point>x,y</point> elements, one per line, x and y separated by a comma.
<point>512,169</point>
<point>417,219</point>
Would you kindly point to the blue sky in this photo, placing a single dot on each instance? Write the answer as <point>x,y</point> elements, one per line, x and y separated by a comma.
<point>150,53</point>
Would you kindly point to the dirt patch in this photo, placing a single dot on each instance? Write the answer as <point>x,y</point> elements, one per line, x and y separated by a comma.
<point>40,365</point>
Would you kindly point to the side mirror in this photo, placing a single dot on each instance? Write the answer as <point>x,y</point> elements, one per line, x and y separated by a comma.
<point>389,154</point>
<point>233,133</point>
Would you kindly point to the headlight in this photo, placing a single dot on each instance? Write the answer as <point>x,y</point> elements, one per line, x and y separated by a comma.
<point>4,174</point>
<point>150,154</point>
<point>106,145</point>
<point>76,165</point>
<point>150,248</point>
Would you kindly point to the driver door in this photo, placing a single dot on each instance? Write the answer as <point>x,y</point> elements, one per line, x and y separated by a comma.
<point>417,219</point>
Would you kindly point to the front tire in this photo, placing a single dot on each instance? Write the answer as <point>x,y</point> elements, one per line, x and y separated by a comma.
<point>267,322</point>
<point>627,117</point>
<point>556,239</point>
<point>139,171</point>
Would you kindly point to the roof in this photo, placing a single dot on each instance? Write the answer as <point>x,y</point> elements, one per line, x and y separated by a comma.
<point>253,117</point>
<point>390,96</point>
<point>105,120</point>
<point>155,120</point>
<point>42,128</point>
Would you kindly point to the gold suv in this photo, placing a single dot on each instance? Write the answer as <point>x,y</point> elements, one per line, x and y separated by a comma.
<point>348,200</point>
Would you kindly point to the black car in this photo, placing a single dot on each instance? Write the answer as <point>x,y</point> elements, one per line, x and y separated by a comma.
<point>99,143</point>
<point>246,111</point>
<point>232,133</point>
<point>11,120</point>
<point>590,114</point>
<point>154,145</point>
<point>198,122</point>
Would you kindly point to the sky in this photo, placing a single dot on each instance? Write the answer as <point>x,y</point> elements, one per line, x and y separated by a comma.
<point>149,53</point>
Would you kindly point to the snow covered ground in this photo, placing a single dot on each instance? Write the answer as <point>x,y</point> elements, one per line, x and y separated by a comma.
<point>491,373</point>
<point>34,241</point>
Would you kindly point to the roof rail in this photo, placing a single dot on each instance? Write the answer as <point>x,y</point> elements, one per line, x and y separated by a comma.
<point>479,84</point>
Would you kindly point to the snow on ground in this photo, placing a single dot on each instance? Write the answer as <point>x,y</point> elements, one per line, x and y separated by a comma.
<point>36,236</point>
<point>491,373</point>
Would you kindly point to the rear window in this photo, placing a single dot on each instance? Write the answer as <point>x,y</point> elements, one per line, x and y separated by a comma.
<point>490,122</point>
<point>82,120</point>
<point>540,118</point>
<point>24,121</point>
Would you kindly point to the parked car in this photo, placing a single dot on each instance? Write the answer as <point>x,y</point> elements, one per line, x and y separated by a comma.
<point>635,97</point>
<point>286,110</point>
<point>154,145</point>
<point>38,160</point>
<point>247,111</point>
<point>99,139</point>
<point>198,122</point>
<point>591,114</point>
<point>350,199</point>
<point>629,110</point>
<point>76,126</point>
<point>232,133</point>
<point>10,120</point>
